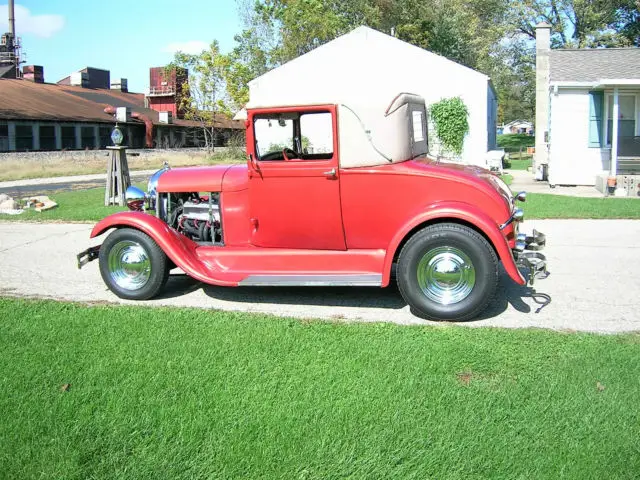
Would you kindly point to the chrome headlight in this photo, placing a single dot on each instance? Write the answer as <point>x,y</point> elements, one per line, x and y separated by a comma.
<point>135,198</point>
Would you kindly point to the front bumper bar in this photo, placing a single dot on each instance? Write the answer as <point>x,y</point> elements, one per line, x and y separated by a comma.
<point>88,255</point>
<point>527,254</point>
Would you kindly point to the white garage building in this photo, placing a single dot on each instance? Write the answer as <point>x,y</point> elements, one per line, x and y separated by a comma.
<point>367,67</point>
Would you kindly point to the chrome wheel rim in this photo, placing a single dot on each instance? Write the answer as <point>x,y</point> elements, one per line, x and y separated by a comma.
<point>129,265</point>
<point>446,275</point>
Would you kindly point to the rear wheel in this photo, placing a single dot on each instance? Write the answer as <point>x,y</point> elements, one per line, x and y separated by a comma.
<point>132,265</point>
<point>447,272</point>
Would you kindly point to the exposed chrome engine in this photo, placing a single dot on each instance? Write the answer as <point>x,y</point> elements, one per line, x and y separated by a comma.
<point>194,215</point>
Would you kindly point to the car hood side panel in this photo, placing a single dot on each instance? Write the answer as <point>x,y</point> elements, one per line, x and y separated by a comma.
<point>216,178</point>
<point>193,179</point>
<point>236,178</point>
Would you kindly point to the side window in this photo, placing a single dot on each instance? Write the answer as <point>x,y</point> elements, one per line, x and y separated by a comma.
<point>419,144</point>
<point>316,136</point>
<point>273,134</point>
<point>4,138</point>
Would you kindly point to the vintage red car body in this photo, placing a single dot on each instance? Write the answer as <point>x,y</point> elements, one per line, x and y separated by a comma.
<point>312,222</point>
<point>352,246</point>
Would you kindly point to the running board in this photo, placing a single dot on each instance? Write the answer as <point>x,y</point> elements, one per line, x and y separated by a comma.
<point>358,280</point>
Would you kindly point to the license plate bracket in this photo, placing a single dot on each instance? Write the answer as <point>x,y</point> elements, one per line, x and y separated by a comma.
<point>88,255</point>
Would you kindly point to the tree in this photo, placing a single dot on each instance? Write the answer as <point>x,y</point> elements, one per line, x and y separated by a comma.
<point>462,30</point>
<point>495,37</point>
<point>248,60</point>
<point>299,26</point>
<point>629,22</point>
<point>203,98</point>
<point>577,23</point>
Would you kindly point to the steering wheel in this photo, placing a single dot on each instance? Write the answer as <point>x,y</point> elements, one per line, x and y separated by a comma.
<point>275,155</point>
<point>289,153</point>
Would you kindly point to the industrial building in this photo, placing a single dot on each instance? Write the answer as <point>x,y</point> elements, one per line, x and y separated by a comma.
<point>41,116</point>
<point>80,110</point>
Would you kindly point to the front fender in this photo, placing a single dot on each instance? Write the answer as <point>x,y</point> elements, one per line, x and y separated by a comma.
<point>456,211</point>
<point>180,249</point>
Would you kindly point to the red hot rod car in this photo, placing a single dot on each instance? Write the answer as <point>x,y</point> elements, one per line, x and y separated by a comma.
<point>331,195</point>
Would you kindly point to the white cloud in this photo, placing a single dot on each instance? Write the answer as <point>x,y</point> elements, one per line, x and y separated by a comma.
<point>192,47</point>
<point>40,25</point>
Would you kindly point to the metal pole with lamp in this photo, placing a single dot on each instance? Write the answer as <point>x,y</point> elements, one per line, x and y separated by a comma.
<point>118,179</point>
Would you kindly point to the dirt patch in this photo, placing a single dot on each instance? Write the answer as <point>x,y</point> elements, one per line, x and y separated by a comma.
<point>464,378</point>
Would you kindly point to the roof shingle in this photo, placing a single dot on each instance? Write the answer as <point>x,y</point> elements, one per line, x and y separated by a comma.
<point>586,65</point>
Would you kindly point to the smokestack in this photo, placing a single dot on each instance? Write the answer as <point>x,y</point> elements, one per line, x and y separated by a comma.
<point>12,20</point>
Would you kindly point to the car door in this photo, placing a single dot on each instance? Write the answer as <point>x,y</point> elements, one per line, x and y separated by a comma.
<point>295,195</point>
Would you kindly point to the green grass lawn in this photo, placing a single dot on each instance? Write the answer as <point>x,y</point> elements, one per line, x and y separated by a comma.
<point>182,393</point>
<point>513,142</point>
<point>542,205</point>
<point>516,145</point>
<point>517,164</point>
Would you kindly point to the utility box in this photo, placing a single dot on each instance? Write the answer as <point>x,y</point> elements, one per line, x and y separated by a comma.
<point>120,84</point>
<point>79,79</point>
<point>123,114</point>
<point>166,117</point>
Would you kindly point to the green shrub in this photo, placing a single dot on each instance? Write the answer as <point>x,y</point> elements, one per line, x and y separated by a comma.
<point>450,118</point>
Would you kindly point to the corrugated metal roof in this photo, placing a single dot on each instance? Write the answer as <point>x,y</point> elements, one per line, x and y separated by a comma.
<point>586,65</point>
<point>24,100</point>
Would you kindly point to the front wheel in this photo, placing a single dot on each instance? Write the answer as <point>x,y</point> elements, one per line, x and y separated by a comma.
<point>447,272</point>
<point>132,265</point>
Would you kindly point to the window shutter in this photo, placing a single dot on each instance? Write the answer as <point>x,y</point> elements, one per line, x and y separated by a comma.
<point>596,102</point>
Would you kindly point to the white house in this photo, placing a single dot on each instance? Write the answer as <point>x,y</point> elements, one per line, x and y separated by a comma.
<point>366,65</point>
<point>517,126</point>
<point>588,113</point>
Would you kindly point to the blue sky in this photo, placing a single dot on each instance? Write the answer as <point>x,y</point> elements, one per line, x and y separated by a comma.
<point>123,36</point>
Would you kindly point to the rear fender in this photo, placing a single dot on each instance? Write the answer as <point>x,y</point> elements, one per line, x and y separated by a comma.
<point>462,212</point>
<point>180,249</point>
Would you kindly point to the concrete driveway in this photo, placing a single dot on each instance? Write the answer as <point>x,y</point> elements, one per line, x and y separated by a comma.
<point>594,283</point>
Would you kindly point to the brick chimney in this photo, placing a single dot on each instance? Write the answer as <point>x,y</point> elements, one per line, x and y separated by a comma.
<point>543,46</point>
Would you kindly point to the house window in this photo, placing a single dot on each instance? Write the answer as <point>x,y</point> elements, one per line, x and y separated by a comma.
<point>626,116</point>
<point>4,138</point>
<point>24,137</point>
<point>105,137</point>
<point>68,138</point>
<point>47,137</point>
<point>137,138</point>
<point>87,138</point>
<point>596,104</point>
